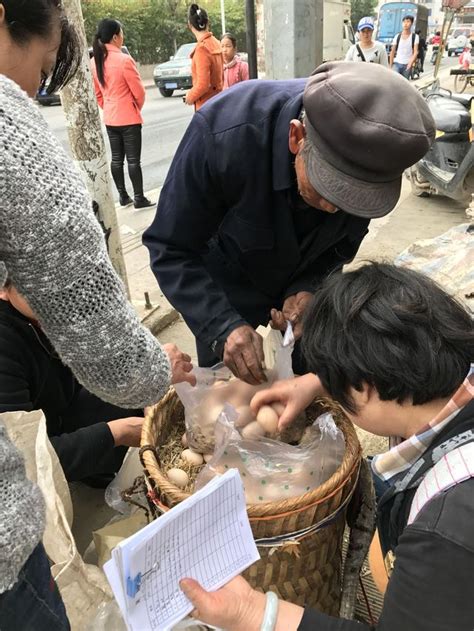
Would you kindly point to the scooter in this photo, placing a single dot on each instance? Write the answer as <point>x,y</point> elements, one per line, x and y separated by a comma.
<point>448,167</point>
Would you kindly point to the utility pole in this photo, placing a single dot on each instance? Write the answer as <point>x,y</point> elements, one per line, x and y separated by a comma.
<point>291,37</point>
<point>223,16</point>
<point>87,143</point>
<point>251,38</point>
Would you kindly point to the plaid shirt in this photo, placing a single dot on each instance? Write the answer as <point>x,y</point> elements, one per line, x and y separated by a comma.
<point>403,455</point>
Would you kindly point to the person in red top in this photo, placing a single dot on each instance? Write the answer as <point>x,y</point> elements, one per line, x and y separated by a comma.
<point>121,94</point>
<point>436,41</point>
<point>207,63</point>
<point>235,70</point>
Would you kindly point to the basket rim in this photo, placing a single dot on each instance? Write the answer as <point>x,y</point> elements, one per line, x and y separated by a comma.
<point>264,510</point>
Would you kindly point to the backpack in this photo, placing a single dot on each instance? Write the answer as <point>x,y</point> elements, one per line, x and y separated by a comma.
<point>413,38</point>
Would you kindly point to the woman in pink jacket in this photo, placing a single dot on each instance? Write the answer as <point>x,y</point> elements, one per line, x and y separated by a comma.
<point>121,94</point>
<point>235,70</point>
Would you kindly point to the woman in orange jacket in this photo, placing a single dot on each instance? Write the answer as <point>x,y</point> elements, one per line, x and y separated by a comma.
<point>207,63</point>
<point>121,94</point>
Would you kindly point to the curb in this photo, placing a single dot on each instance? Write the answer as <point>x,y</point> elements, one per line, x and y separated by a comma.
<point>159,318</point>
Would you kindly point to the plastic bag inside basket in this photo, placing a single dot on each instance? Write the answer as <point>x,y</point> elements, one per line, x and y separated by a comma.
<point>271,470</point>
<point>215,387</point>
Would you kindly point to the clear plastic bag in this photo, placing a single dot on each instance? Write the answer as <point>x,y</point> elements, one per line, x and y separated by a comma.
<point>215,387</point>
<point>272,470</point>
<point>131,468</point>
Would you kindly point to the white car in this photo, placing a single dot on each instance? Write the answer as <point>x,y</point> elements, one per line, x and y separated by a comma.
<point>457,41</point>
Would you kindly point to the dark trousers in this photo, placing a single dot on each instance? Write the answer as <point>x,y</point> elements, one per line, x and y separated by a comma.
<point>34,602</point>
<point>126,140</point>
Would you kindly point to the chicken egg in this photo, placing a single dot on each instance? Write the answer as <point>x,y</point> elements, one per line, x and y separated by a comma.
<point>253,431</point>
<point>178,477</point>
<point>192,458</point>
<point>267,418</point>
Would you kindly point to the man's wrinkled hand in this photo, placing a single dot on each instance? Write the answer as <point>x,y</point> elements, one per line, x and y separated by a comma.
<point>181,365</point>
<point>243,354</point>
<point>292,311</point>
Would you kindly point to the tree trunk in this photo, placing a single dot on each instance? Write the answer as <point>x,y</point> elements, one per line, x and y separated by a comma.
<point>87,143</point>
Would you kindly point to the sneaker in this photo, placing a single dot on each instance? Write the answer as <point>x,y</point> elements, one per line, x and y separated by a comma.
<point>125,200</point>
<point>142,202</point>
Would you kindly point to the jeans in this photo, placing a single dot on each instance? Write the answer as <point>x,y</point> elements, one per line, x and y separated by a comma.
<point>401,69</point>
<point>34,602</point>
<point>126,140</point>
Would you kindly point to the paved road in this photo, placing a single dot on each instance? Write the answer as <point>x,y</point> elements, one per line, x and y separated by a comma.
<point>165,123</point>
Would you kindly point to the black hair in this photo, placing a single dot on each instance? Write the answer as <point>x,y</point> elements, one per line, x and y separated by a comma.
<point>198,17</point>
<point>26,19</point>
<point>231,37</point>
<point>409,17</point>
<point>438,33</point>
<point>392,328</point>
<point>106,29</point>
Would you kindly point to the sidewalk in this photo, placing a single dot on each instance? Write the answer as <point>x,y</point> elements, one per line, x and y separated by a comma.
<point>156,313</point>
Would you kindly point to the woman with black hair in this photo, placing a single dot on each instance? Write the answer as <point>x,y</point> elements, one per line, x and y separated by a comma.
<point>207,64</point>
<point>53,250</point>
<point>121,94</point>
<point>397,353</point>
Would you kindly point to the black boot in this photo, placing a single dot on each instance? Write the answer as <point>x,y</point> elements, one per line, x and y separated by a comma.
<point>140,201</point>
<point>125,199</point>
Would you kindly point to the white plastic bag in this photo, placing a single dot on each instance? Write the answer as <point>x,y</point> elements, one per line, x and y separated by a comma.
<point>216,387</point>
<point>272,470</point>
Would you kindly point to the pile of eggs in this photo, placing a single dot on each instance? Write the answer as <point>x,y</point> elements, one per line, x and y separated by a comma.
<point>178,476</point>
<point>264,424</point>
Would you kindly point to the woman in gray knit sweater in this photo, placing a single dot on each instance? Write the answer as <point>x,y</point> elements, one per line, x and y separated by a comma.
<point>53,250</point>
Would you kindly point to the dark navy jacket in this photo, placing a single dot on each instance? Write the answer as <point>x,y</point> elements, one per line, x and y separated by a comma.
<point>230,229</point>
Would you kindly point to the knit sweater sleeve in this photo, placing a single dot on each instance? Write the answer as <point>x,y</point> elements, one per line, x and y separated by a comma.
<point>22,513</point>
<point>55,254</point>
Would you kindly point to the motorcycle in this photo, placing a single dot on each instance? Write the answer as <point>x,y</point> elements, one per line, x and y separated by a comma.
<point>448,167</point>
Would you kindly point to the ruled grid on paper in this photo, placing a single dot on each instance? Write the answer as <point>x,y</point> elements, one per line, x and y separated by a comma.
<point>207,537</point>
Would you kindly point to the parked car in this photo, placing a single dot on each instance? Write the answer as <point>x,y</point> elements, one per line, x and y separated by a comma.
<point>44,98</point>
<point>175,74</point>
<point>458,39</point>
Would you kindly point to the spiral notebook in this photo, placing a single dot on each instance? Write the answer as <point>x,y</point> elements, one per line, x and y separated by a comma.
<point>206,537</point>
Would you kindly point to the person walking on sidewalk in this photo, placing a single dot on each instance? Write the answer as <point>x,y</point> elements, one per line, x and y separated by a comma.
<point>235,69</point>
<point>207,64</point>
<point>121,94</point>
<point>367,49</point>
<point>264,200</point>
<point>404,48</point>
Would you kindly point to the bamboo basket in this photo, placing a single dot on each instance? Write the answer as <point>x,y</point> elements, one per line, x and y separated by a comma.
<point>307,569</point>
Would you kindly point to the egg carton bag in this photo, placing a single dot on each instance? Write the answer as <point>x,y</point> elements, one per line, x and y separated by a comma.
<point>271,470</point>
<point>215,387</point>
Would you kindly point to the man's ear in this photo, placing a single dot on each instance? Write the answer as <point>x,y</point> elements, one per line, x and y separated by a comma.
<point>296,135</point>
